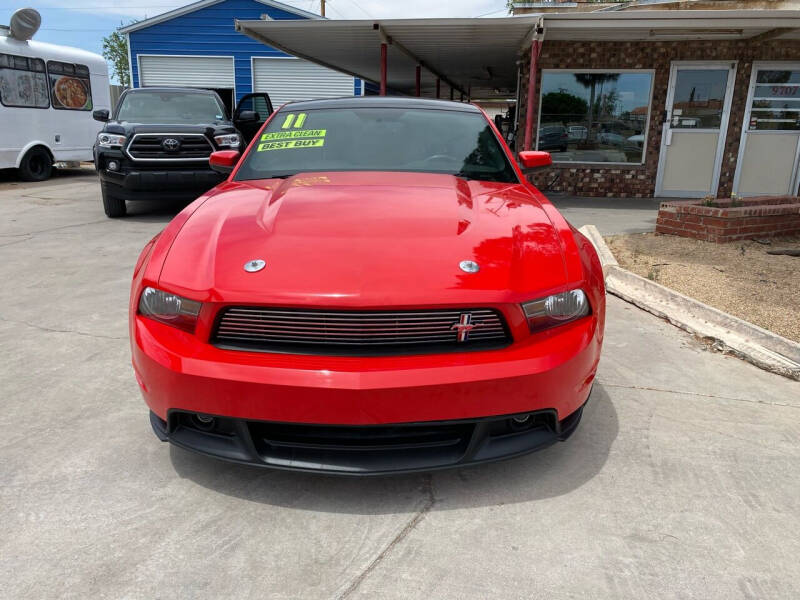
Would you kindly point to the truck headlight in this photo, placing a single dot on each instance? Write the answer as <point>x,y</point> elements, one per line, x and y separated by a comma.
<point>230,140</point>
<point>556,309</point>
<point>110,140</point>
<point>169,309</point>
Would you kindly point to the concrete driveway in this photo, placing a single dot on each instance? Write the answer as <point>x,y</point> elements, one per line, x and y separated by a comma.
<point>610,215</point>
<point>680,483</point>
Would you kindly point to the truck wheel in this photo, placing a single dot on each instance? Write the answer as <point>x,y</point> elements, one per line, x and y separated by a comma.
<point>36,165</point>
<point>113,206</point>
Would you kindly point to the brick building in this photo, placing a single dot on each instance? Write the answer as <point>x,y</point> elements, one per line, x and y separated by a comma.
<point>672,103</point>
<point>665,60</point>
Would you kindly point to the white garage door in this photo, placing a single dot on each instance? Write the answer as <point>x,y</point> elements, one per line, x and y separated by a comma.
<point>286,79</point>
<point>187,71</point>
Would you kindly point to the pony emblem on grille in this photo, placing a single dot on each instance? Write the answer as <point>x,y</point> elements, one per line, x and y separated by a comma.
<point>464,326</point>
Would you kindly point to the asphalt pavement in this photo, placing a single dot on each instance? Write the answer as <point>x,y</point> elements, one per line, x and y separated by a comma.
<point>681,481</point>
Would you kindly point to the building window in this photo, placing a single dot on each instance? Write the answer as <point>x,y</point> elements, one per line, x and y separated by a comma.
<point>23,82</point>
<point>776,101</point>
<point>595,117</point>
<point>70,88</point>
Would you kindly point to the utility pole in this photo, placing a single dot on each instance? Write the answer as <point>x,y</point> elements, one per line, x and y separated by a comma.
<point>322,7</point>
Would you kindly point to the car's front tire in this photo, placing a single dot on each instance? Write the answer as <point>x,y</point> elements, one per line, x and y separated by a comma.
<point>36,165</point>
<point>113,206</point>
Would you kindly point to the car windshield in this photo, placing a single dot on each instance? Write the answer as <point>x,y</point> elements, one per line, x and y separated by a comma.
<point>378,139</point>
<point>170,107</point>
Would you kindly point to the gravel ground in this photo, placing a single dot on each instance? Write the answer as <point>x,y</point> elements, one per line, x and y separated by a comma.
<point>739,278</point>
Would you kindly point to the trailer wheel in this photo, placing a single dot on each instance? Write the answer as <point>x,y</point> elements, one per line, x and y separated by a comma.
<point>113,206</point>
<point>36,165</point>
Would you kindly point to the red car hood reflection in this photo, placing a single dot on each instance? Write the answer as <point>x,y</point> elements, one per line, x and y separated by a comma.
<point>366,239</point>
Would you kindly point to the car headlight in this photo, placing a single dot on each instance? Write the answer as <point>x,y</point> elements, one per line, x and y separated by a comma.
<point>169,309</point>
<point>228,141</point>
<point>110,140</point>
<point>556,309</point>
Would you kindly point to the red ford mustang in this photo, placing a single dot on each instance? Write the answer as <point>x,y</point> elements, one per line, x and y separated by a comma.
<point>375,288</point>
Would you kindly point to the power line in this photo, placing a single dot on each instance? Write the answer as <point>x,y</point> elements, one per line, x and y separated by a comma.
<point>490,13</point>
<point>93,7</point>
<point>329,6</point>
<point>361,8</point>
<point>75,29</point>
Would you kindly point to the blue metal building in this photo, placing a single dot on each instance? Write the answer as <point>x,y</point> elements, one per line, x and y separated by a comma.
<point>197,46</point>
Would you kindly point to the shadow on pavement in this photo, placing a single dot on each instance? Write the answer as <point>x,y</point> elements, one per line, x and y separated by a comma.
<point>555,471</point>
<point>154,211</point>
<point>10,176</point>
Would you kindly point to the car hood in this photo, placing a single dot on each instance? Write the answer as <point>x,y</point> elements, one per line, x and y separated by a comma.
<point>366,239</point>
<point>129,128</point>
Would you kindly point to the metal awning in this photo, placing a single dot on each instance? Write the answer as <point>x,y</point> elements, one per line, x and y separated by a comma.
<point>478,57</point>
<point>474,56</point>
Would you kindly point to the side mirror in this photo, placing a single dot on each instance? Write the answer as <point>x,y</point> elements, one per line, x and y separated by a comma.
<point>533,159</point>
<point>247,116</point>
<point>223,161</point>
<point>101,115</point>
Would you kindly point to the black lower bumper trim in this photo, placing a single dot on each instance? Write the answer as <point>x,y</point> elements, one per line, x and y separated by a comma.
<point>368,449</point>
<point>150,185</point>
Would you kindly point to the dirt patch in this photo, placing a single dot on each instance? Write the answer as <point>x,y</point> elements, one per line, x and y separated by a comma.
<point>739,278</point>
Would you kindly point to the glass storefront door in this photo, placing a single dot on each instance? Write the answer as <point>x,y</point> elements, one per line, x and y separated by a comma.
<point>694,128</point>
<point>770,148</point>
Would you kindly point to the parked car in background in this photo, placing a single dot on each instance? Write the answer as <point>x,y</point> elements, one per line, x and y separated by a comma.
<point>553,137</point>
<point>634,145</point>
<point>376,288</point>
<point>47,94</point>
<point>577,133</point>
<point>611,139</point>
<point>157,142</point>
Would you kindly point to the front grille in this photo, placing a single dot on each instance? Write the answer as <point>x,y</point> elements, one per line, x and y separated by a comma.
<point>358,333</point>
<point>150,147</point>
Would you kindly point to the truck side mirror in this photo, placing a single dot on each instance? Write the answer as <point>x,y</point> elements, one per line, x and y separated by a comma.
<point>247,116</point>
<point>101,115</point>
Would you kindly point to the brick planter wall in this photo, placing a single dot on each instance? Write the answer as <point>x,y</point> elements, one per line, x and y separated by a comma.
<point>639,180</point>
<point>749,218</point>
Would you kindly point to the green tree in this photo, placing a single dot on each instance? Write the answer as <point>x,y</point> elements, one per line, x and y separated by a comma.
<point>591,81</point>
<point>564,105</point>
<point>115,51</point>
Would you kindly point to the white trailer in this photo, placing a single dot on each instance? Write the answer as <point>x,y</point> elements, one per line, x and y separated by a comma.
<point>47,96</point>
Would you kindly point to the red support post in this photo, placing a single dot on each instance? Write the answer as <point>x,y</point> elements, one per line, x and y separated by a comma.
<point>438,86</point>
<point>535,48</point>
<point>418,81</point>
<point>383,69</point>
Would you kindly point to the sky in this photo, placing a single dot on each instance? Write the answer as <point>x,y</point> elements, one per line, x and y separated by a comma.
<point>84,23</point>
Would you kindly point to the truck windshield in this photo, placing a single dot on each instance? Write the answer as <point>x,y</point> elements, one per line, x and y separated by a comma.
<point>419,140</point>
<point>170,107</point>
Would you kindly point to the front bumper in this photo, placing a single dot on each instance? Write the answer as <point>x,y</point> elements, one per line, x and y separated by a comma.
<point>179,371</point>
<point>369,449</point>
<point>156,180</point>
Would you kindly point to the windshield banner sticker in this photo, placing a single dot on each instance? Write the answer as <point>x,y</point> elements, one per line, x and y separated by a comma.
<point>290,119</point>
<point>285,145</point>
<point>288,135</point>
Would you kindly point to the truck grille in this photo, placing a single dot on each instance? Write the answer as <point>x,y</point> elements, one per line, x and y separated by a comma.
<point>359,333</point>
<point>147,146</point>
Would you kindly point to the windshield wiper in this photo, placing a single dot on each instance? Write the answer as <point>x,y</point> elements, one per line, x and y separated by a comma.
<point>282,176</point>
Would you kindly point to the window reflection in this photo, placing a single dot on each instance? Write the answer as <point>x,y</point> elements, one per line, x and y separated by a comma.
<point>776,101</point>
<point>594,116</point>
<point>699,99</point>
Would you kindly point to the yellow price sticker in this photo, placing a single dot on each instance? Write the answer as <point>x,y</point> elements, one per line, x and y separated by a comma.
<point>285,145</point>
<point>289,135</point>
